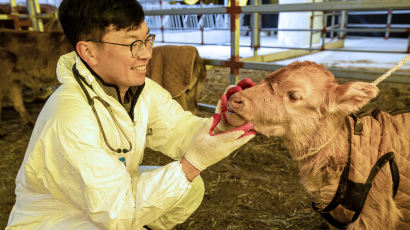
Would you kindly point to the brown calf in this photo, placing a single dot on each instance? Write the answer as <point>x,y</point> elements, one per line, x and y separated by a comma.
<point>304,104</point>
<point>28,60</point>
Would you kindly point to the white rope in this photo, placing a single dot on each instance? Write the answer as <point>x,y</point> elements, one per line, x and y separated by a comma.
<point>313,151</point>
<point>388,73</point>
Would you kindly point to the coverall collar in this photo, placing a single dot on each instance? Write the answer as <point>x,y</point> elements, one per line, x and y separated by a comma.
<point>130,98</point>
<point>114,91</point>
<point>65,75</point>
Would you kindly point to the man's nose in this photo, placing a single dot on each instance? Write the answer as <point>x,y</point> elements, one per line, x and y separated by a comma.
<point>145,53</point>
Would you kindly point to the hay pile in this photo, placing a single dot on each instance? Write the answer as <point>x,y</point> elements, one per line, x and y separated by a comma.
<point>256,187</point>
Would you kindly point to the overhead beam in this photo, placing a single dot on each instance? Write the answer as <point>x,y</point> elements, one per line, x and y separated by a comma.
<point>276,8</point>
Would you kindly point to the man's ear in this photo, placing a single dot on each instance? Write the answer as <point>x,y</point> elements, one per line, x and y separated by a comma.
<point>352,96</point>
<point>87,52</point>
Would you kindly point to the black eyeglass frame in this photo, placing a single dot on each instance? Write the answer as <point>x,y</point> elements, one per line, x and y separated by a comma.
<point>132,44</point>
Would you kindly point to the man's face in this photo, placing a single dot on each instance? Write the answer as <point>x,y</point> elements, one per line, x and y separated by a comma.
<point>115,63</point>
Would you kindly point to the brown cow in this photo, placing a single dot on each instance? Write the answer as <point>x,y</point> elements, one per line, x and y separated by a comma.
<point>304,104</point>
<point>28,59</point>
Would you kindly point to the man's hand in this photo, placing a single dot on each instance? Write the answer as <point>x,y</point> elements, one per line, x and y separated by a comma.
<point>207,148</point>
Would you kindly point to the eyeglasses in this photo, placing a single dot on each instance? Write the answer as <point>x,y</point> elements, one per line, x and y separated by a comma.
<point>136,46</point>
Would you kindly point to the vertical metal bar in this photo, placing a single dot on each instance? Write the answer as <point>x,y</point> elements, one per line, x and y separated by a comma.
<point>38,12</point>
<point>332,24</point>
<point>252,27</point>
<point>13,6</point>
<point>388,24</point>
<point>259,27</point>
<point>408,44</point>
<point>184,21</point>
<point>178,23</point>
<point>201,27</point>
<point>14,15</point>
<point>255,32</point>
<point>324,18</point>
<point>342,22</point>
<point>235,32</point>
<point>312,21</point>
<point>201,23</point>
<point>34,9</point>
<point>162,23</point>
<point>259,24</point>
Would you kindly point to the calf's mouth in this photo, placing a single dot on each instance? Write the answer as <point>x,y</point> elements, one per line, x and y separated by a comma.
<point>233,115</point>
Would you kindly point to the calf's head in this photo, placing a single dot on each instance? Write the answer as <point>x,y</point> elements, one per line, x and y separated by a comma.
<point>296,99</point>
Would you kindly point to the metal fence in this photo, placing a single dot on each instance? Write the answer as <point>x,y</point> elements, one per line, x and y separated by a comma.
<point>177,17</point>
<point>234,11</point>
<point>329,9</point>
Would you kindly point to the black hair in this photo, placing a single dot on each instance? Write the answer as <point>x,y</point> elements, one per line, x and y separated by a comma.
<point>84,20</point>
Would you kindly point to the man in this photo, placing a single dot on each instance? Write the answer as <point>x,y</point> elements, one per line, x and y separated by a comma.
<point>81,168</point>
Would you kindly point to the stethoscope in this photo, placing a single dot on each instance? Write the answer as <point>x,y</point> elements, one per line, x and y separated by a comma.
<point>90,100</point>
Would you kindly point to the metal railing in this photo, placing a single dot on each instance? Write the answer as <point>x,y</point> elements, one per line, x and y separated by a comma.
<point>32,20</point>
<point>195,17</point>
<point>334,7</point>
<point>235,10</point>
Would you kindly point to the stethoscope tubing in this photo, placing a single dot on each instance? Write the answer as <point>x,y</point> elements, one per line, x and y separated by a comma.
<point>90,100</point>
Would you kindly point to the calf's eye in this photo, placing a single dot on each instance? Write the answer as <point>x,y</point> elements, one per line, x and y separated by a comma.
<point>292,96</point>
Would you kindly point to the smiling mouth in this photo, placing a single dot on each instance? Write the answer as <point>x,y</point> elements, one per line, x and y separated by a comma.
<point>139,68</point>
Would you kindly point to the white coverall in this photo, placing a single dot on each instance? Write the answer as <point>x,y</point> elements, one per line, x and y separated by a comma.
<point>70,179</point>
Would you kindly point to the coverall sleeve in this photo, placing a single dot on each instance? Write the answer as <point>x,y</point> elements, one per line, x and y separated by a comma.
<point>80,171</point>
<point>172,127</point>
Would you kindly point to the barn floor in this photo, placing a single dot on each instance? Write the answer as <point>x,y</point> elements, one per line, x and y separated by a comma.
<point>256,187</point>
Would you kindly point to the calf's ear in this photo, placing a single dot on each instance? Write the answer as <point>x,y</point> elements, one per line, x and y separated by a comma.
<point>352,96</point>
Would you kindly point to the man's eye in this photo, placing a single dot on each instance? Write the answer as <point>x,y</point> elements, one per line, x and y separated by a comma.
<point>137,44</point>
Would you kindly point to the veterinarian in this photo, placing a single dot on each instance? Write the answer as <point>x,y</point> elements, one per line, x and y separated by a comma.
<point>81,168</point>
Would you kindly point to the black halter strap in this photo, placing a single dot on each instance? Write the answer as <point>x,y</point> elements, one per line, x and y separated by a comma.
<point>351,195</point>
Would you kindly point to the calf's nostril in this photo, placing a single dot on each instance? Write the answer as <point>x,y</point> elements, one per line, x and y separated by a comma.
<point>237,101</point>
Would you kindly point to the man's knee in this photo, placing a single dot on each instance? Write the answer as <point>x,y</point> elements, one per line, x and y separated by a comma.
<point>185,207</point>
<point>193,198</point>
